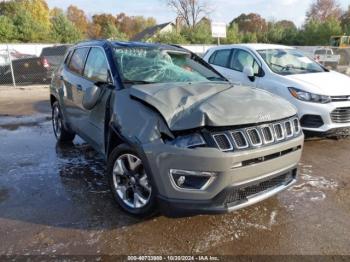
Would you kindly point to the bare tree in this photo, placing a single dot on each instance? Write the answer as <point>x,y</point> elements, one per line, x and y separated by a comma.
<point>190,11</point>
<point>321,10</point>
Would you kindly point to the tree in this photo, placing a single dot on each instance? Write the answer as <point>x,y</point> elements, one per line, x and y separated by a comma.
<point>39,10</point>
<point>27,28</point>
<point>63,30</point>
<point>190,11</point>
<point>6,29</point>
<point>345,21</point>
<point>319,33</point>
<point>200,34</point>
<point>104,23</point>
<point>281,32</point>
<point>78,18</point>
<point>132,25</point>
<point>286,24</point>
<point>113,33</point>
<point>252,23</point>
<point>172,37</point>
<point>233,36</point>
<point>321,10</point>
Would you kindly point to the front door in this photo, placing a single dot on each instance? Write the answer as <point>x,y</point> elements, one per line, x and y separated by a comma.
<point>96,83</point>
<point>240,59</point>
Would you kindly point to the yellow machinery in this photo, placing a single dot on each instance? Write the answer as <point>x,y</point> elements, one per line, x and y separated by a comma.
<point>341,46</point>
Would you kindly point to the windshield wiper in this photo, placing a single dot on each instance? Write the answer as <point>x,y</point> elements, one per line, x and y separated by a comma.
<point>216,78</point>
<point>135,82</point>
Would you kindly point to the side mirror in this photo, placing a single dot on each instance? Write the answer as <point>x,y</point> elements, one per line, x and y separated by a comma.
<point>249,72</point>
<point>91,97</point>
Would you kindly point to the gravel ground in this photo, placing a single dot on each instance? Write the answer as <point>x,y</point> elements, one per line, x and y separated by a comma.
<point>55,200</point>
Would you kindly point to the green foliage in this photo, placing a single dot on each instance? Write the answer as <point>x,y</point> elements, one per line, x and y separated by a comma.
<point>27,28</point>
<point>249,38</point>
<point>170,38</point>
<point>319,33</point>
<point>200,34</point>
<point>233,35</point>
<point>113,33</point>
<point>6,29</point>
<point>63,30</point>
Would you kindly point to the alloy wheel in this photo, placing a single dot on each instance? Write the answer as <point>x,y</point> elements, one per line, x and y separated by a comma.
<point>131,182</point>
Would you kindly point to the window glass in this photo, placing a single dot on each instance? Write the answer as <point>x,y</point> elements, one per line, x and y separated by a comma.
<point>241,59</point>
<point>153,65</point>
<point>220,58</point>
<point>289,62</point>
<point>76,63</point>
<point>320,52</point>
<point>96,68</point>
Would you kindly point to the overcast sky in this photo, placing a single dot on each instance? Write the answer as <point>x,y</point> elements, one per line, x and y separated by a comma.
<point>223,10</point>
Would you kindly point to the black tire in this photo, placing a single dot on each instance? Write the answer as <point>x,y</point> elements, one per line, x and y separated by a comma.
<point>61,133</point>
<point>148,209</point>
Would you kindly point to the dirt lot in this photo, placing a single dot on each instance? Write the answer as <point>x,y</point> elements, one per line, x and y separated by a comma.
<point>54,200</point>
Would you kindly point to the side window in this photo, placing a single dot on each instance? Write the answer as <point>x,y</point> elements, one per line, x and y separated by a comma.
<point>76,63</point>
<point>96,68</point>
<point>242,58</point>
<point>220,58</point>
<point>69,55</point>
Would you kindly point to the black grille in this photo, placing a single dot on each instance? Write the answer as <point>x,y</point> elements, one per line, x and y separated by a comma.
<point>254,137</point>
<point>313,121</point>
<point>267,133</point>
<point>242,194</point>
<point>288,127</point>
<point>296,126</point>
<point>341,115</point>
<point>278,131</point>
<point>340,98</point>
<point>239,139</point>
<point>222,142</point>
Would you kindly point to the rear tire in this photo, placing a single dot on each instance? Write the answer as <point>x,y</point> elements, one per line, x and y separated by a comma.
<point>131,185</point>
<point>61,133</point>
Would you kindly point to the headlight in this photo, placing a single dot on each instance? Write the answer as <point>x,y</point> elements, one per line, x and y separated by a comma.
<point>308,97</point>
<point>187,141</point>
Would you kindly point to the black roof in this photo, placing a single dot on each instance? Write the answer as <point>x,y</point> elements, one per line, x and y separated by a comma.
<point>150,31</point>
<point>104,42</point>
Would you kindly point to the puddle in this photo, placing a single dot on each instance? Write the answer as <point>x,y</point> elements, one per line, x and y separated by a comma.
<point>13,123</point>
<point>310,186</point>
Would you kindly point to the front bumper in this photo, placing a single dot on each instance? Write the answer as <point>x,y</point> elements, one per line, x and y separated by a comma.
<point>324,111</point>
<point>230,176</point>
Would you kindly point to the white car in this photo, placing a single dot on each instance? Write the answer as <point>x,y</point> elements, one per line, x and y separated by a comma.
<point>322,97</point>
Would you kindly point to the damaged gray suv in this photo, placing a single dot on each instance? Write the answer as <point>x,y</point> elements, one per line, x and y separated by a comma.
<point>177,136</point>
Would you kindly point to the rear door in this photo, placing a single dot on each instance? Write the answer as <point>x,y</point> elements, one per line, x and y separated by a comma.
<point>220,61</point>
<point>73,83</point>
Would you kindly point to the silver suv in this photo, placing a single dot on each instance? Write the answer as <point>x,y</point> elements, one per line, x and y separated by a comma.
<point>177,136</point>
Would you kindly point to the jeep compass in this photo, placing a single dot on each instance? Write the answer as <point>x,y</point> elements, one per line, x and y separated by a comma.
<point>176,135</point>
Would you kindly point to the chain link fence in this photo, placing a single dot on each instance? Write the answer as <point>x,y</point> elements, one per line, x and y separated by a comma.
<point>33,64</point>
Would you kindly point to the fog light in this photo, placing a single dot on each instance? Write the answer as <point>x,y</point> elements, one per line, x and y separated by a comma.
<point>181,180</point>
<point>193,180</point>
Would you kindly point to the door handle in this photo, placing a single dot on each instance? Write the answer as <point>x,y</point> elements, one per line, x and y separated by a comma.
<point>79,87</point>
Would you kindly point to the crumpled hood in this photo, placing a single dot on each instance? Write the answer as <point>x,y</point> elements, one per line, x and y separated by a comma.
<point>327,83</point>
<point>191,105</point>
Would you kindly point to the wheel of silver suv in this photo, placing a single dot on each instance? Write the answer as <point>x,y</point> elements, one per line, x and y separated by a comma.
<point>130,183</point>
<point>61,133</point>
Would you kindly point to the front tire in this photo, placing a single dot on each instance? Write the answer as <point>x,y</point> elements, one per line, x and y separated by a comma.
<point>131,185</point>
<point>61,133</point>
